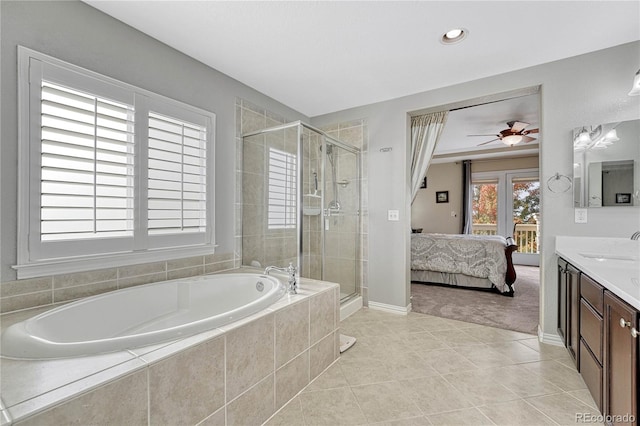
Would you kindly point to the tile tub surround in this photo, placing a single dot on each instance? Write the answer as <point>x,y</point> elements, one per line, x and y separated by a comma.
<point>406,370</point>
<point>237,374</point>
<point>56,289</point>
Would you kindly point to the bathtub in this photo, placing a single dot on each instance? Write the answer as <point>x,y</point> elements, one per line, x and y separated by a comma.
<point>140,316</point>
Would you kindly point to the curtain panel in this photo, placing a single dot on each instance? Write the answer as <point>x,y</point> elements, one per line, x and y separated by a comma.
<point>467,198</point>
<point>425,133</point>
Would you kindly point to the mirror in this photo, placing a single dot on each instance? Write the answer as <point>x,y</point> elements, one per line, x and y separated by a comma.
<point>606,165</point>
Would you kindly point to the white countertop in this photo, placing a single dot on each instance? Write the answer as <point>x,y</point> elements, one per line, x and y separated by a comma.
<point>612,262</point>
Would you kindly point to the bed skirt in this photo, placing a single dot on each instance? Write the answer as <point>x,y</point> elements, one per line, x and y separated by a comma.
<point>460,280</point>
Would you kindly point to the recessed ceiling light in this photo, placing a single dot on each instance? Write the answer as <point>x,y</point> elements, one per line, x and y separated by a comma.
<point>454,36</point>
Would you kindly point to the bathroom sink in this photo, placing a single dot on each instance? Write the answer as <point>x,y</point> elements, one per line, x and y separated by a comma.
<point>608,256</point>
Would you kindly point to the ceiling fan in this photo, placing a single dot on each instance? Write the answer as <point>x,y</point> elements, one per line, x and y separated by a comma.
<point>515,134</point>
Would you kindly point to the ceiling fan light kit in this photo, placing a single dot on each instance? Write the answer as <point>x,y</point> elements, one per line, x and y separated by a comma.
<point>512,140</point>
<point>515,134</point>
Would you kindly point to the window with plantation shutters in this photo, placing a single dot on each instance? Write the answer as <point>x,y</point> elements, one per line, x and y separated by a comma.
<point>177,176</point>
<point>87,161</point>
<point>109,174</point>
<point>281,200</point>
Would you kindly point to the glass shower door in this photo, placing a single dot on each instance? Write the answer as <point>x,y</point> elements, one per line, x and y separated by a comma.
<point>341,208</point>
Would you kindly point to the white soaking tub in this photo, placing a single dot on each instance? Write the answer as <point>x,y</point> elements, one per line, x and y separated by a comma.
<point>140,316</point>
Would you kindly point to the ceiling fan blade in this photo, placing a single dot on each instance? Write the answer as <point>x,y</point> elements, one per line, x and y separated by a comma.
<point>526,132</point>
<point>493,134</point>
<point>517,126</point>
<point>492,140</point>
<point>527,139</point>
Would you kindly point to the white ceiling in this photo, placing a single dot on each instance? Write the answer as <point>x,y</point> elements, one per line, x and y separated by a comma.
<point>487,119</point>
<point>324,56</point>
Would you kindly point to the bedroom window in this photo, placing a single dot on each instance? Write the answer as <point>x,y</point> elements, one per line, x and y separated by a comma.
<point>110,174</point>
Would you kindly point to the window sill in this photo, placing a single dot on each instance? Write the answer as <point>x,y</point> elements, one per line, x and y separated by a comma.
<point>90,263</point>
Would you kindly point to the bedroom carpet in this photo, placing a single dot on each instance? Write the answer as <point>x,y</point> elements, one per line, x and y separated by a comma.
<point>518,313</point>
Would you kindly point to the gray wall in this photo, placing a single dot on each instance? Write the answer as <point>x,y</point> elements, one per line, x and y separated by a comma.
<point>590,88</point>
<point>79,34</point>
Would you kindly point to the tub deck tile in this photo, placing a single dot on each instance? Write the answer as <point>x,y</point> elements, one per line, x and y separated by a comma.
<point>26,379</point>
<point>187,387</point>
<point>61,394</point>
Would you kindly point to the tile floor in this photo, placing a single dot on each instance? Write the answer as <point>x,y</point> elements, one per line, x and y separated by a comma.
<point>425,370</point>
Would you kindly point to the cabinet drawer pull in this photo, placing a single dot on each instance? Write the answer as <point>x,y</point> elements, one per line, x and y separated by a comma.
<point>624,323</point>
<point>634,332</point>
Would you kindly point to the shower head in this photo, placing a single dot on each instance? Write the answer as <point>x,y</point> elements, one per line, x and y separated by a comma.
<point>329,149</point>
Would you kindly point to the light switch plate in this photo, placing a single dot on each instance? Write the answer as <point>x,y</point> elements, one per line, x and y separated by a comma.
<point>393,215</point>
<point>581,215</point>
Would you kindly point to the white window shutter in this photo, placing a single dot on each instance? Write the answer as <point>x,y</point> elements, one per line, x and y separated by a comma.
<point>87,165</point>
<point>177,176</point>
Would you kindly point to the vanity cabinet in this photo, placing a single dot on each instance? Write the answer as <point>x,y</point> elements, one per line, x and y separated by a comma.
<point>591,336</point>
<point>600,332</point>
<point>569,307</point>
<point>620,360</point>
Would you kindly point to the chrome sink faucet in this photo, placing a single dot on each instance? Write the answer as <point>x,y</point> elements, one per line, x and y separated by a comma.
<point>636,235</point>
<point>291,271</point>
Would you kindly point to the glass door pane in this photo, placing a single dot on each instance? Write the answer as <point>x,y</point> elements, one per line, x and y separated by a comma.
<point>340,213</point>
<point>311,205</point>
<point>525,214</point>
<point>485,208</point>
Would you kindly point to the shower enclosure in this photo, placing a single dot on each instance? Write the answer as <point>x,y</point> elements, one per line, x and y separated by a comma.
<point>301,204</point>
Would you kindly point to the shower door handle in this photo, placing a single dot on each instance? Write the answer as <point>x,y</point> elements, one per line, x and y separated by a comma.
<point>334,213</point>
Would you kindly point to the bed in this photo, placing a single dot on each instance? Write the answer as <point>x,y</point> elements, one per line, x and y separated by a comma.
<point>477,261</point>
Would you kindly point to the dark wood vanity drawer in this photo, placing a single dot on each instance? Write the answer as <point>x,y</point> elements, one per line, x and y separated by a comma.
<point>591,326</point>
<point>591,372</point>
<point>592,292</point>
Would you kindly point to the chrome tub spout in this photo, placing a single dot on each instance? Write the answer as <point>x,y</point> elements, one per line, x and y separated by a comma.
<point>291,271</point>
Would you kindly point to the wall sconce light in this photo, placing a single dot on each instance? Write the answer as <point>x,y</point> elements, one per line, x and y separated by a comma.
<point>635,90</point>
<point>611,136</point>
<point>582,139</point>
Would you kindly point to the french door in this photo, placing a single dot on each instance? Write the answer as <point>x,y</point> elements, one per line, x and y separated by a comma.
<point>507,203</point>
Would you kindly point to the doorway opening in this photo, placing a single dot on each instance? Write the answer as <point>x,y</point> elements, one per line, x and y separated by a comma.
<point>504,189</point>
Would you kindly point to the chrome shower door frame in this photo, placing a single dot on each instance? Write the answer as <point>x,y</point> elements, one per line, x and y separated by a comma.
<point>326,139</point>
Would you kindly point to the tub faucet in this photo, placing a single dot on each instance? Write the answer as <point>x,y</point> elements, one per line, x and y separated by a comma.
<point>291,271</point>
<point>636,235</point>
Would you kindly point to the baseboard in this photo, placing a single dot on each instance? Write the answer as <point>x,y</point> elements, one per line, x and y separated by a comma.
<point>549,338</point>
<point>393,309</point>
<point>350,307</point>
